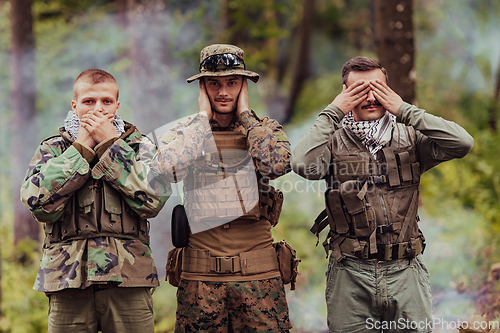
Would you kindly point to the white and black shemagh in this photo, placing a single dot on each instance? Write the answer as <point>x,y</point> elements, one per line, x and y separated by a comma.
<point>373,134</point>
<point>72,123</point>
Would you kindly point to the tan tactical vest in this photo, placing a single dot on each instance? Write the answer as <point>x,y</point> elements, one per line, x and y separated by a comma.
<point>371,204</point>
<point>97,210</point>
<point>225,186</point>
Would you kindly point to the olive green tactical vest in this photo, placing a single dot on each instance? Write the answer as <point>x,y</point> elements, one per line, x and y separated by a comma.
<point>225,186</point>
<point>371,204</point>
<point>97,210</point>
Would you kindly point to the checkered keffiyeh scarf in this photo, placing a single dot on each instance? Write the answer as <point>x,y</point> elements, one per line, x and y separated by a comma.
<point>72,123</point>
<point>373,134</point>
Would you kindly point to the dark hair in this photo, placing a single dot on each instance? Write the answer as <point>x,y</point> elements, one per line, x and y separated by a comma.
<point>361,64</point>
<point>94,76</point>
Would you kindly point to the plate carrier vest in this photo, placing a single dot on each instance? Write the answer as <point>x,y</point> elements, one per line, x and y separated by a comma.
<point>371,204</point>
<point>225,185</point>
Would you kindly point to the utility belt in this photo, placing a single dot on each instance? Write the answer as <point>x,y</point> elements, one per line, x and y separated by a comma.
<point>281,257</point>
<point>385,252</point>
<point>246,263</point>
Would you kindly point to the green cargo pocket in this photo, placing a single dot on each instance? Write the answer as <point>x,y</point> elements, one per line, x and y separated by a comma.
<point>356,207</point>
<point>85,221</point>
<point>67,228</point>
<point>111,216</point>
<point>336,217</point>
<point>130,221</point>
<point>52,233</point>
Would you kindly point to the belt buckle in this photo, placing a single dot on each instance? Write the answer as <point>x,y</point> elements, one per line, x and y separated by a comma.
<point>388,252</point>
<point>402,247</point>
<point>224,265</point>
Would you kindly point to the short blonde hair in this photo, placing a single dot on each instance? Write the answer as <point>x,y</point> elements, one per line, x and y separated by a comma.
<point>94,76</point>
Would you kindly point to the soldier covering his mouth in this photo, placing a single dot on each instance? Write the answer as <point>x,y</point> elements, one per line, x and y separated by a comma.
<point>93,190</point>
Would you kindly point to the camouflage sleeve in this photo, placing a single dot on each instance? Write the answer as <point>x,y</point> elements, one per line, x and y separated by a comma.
<point>268,145</point>
<point>125,165</point>
<point>179,147</point>
<point>54,174</point>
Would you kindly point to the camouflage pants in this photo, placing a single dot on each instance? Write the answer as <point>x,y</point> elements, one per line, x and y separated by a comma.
<point>250,306</point>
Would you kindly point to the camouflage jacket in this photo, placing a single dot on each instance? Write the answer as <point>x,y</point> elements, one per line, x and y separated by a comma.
<point>58,170</point>
<point>267,144</point>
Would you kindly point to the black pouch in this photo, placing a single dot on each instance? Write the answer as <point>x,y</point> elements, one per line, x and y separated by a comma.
<point>180,227</point>
<point>277,206</point>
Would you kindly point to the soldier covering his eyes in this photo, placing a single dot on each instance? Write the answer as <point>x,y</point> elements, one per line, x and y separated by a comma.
<point>371,148</point>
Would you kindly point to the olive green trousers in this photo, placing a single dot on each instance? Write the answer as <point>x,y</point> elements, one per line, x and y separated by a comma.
<point>107,310</point>
<point>378,296</point>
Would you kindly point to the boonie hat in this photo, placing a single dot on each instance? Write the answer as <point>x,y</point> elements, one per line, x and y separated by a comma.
<point>222,60</point>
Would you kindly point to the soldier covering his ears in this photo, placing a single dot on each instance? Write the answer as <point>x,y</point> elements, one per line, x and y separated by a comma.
<point>230,280</point>
<point>93,190</point>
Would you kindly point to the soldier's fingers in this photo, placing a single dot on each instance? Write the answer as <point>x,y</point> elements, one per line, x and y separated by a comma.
<point>86,126</point>
<point>360,94</point>
<point>356,85</point>
<point>381,86</point>
<point>98,114</point>
<point>203,89</point>
<point>360,99</point>
<point>88,121</point>
<point>357,88</point>
<point>382,98</point>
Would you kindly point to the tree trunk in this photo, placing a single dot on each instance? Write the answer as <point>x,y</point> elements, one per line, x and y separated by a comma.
<point>23,95</point>
<point>121,7</point>
<point>151,94</point>
<point>496,103</point>
<point>394,43</point>
<point>301,68</point>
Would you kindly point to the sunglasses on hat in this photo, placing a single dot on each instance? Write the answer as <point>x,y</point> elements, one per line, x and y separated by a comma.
<point>224,60</point>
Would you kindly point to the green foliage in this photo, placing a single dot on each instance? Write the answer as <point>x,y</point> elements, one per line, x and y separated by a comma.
<point>66,9</point>
<point>165,305</point>
<point>23,309</point>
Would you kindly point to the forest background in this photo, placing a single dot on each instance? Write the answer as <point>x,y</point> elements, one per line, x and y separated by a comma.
<point>443,56</point>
